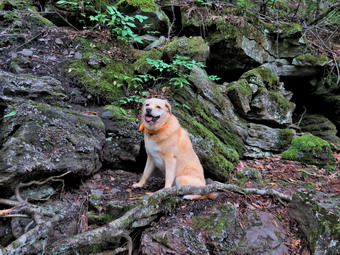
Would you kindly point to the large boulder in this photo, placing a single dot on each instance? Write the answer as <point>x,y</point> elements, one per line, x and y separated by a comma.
<point>41,139</point>
<point>209,118</point>
<point>318,217</point>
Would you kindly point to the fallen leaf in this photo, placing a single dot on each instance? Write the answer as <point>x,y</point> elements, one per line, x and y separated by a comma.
<point>89,113</point>
<point>5,211</point>
<point>148,193</point>
<point>260,166</point>
<point>272,184</point>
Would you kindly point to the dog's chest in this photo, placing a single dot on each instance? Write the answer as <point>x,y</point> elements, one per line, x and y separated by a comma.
<point>154,152</point>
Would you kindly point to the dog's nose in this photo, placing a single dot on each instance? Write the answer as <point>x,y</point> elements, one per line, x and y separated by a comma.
<point>149,109</point>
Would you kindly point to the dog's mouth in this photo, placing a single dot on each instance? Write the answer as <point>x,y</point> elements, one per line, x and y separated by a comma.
<point>150,118</point>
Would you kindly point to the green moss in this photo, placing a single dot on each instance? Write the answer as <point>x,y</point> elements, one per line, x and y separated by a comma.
<point>310,60</point>
<point>98,78</point>
<point>241,85</point>
<point>286,137</point>
<point>269,79</point>
<point>121,113</point>
<point>141,65</point>
<point>216,143</point>
<point>214,223</point>
<point>285,105</point>
<point>99,83</point>
<point>289,29</point>
<point>311,150</point>
<point>211,126</point>
<point>100,219</point>
<point>144,5</point>
<point>185,46</point>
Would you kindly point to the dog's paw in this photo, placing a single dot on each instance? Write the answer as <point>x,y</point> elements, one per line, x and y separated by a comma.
<point>137,185</point>
<point>188,197</point>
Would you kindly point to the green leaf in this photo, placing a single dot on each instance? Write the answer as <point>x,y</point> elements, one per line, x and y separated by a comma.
<point>130,24</point>
<point>12,113</point>
<point>141,18</point>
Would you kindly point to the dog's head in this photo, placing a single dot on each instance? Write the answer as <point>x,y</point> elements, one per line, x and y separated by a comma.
<point>156,111</point>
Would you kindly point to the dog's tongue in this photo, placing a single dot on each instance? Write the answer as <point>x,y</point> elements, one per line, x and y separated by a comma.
<point>148,118</point>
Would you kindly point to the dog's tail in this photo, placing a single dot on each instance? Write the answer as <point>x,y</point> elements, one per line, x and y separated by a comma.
<point>212,196</point>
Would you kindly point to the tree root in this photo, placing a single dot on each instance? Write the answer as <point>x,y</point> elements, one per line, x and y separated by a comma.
<point>151,206</point>
<point>35,241</point>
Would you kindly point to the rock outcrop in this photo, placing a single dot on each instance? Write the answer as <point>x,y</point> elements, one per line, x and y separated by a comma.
<point>317,215</point>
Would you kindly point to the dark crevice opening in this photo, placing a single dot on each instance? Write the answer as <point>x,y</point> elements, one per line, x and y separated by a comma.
<point>174,14</point>
<point>306,99</point>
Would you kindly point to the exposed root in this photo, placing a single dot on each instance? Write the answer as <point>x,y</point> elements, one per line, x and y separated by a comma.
<point>36,240</point>
<point>44,220</point>
<point>151,206</point>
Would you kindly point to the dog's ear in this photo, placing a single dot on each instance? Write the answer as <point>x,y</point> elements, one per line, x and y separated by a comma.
<point>168,106</point>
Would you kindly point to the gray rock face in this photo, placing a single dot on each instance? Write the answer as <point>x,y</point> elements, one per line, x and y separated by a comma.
<point>124,143</point>
<point>41,138</point>
<point>217,231</point>
<point>263,140</point>
<point>271,107</point>
<point>289,70</point>
<point>318,215</point>
<point>22,87</point>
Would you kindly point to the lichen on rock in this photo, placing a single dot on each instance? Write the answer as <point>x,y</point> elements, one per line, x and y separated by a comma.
<point>317,215</point>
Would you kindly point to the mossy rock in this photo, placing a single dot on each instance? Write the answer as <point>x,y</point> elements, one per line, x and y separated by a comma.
<point>271,106</point>
<point>144,5</point>
<point>217,152</point>
<point>141,65</point>
<point>240,93</point>
<point>101,84</point>
<point>157,21</point>
<point>97,73</point>
<point>322,127</point>
<point>193,47</point>
<point>286,137</point>
<point>262,76</point>
<point>310,60</point>
<point>310,149</point>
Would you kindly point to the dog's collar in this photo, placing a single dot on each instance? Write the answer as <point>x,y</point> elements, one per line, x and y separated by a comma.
<point>153,132</point>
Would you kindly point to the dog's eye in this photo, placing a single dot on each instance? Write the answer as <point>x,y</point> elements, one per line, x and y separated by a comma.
<point>158,107</point>
<point>147,105</point>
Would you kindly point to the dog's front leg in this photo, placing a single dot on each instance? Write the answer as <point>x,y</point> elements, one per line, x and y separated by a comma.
<point>149,167</point>
<point>170,170</point>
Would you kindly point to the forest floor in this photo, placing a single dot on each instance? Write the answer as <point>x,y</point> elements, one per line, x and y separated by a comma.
<point>281,175</point>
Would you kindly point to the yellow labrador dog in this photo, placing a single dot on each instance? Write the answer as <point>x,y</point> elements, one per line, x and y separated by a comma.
<point>169,149</point>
